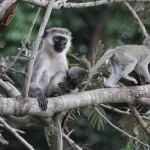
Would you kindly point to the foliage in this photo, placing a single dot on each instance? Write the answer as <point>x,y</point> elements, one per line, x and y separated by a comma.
<point>132,127</point>
<point>96,119</point>
<point>49,131</point>
<point>143,10</point>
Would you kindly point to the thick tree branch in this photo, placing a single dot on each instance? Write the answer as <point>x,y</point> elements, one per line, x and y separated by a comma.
<point>5,5</point>
<point>8,16</point>
<point>14,106</point>
<point>27,145</point>
<point>36,46</point>
<point>62,4</point>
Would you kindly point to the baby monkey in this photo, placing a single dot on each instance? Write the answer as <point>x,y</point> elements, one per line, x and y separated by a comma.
<point>64,82</point>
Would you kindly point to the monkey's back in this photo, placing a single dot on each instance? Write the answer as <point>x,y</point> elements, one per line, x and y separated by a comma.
<point>137,51</point>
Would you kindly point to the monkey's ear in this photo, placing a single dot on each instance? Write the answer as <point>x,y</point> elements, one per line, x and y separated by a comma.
<point>44,34</point>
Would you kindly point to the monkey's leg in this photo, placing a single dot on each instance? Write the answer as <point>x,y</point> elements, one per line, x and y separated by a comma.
<point>129,62</point>
<point>115,75</point>
<point>142,70</point>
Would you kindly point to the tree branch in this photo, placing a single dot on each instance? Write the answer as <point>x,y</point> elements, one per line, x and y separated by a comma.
<point>62,4</point>
<point>24,43</point>
<point>123,132</point>
<point>137,19</point>
<point>8,16</point>
<point>120,111</point>
<point>25,143</point>
<point>115,110</point>
<point>138,118</point>
<point>29,106</point>
<point>76,147</point>
<point>9,89</point>
<point>17,130</point>
<point>36,46</point>
<point>2,140</point>
<point>5,5</point>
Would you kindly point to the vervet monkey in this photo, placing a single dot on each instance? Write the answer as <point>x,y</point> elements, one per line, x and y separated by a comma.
<point>134,57</point>
<point>50,59</point>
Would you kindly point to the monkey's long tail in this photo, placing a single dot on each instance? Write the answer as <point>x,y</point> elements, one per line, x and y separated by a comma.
<point>106,56</point>
<point>59,133</point>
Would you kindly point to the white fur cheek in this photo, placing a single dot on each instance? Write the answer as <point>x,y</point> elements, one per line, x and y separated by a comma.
<point>50,41</point>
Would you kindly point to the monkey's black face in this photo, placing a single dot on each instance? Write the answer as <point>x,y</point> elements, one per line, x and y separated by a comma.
<point>59,43</point>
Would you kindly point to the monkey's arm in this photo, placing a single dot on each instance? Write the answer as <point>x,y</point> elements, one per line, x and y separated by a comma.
<point>66,86</point>
<point>35,89</point>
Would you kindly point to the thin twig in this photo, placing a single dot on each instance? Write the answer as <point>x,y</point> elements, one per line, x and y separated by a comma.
<point>138,118</point>
<point>24,43</point>
<point>70,132</point>
<point>120,111</point>
<point>11,69</point>
<point>74,145</point>
<point>123,132</point>
<point>36,46</point>
<point>17,130</point>
<point>25,143</point>
<point>137,18</point>
<point>115,110</point>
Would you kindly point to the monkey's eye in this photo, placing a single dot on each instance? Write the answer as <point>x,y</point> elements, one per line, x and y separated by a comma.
<point>56,38</point>
<point>64,40</point>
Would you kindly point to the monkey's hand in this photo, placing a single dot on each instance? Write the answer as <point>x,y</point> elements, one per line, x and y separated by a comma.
<point>41,99</point>
<point>66,86</point>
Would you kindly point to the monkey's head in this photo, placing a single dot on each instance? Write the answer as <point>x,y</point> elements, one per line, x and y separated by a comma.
<point>57,38</point>
<point>78,76</point>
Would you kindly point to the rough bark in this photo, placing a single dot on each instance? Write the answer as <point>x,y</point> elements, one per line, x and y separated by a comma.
<point>29,106</point>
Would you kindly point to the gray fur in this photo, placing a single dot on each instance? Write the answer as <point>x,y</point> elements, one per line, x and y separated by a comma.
<point>134,57</point>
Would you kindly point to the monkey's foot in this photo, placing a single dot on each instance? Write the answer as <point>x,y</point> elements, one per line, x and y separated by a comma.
<point>143,80</point>
<point>130,79</point>
<point>108,85</point>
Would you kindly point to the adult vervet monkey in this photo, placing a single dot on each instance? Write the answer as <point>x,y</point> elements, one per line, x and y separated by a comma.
<point>134,57</point>
<point>50,59</point>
